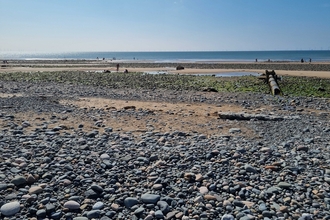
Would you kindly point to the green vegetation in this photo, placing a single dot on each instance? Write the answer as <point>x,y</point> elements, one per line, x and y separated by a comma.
<point>290,85</point>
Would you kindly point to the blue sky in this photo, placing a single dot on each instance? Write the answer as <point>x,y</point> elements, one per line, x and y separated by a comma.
<point>164,25</point>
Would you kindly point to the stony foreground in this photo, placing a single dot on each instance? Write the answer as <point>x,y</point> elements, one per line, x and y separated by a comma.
<point>48,170</point>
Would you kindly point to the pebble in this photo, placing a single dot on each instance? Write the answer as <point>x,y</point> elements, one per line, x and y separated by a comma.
<point>19,181</point>
<point>35,190</point>
<point>284,185</point>
<point>227,217</point>
<point>93,214</point>
<point>83,172</point>
<point>150,198</point>
<point>130,201</point>
<point>98,206</point>
<point>71,205</point>
<point>159,214</point>
<point>10,208</point>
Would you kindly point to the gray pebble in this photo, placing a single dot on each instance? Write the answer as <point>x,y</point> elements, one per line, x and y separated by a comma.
<point>10,208</point>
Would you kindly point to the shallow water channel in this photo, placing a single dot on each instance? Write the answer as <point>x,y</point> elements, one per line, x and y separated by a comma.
<point>222,74</point>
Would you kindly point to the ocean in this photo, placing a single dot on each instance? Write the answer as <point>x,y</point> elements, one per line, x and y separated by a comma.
<point>186,56</point>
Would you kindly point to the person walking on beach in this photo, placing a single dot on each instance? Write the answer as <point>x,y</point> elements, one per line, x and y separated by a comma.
<point>117,67</point>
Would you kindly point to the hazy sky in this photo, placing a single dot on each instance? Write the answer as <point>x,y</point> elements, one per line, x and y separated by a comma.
<point>164,25</point>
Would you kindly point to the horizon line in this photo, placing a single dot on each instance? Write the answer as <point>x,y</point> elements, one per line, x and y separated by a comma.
<point>152,51</point>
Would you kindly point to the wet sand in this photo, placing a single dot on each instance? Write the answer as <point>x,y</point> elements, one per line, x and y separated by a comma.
<point>321,69</point>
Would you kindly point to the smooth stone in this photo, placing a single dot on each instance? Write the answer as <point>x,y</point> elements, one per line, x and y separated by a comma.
<point>150,198</point>
<point>92,194</point>
<point>267,214</point>
<point>250,168</point>
<point>10,208</point>
<point>35,190</point>
<point>97,188</point>
<point>203,190</point>
<point>157,186</point>
<point>302,148</point>
<point>327,179</point>
<point>130,201</point>
<point>272,190</point>
<point>284,209</point>
<point>30,179</point>
<point>15,170</point>
<point>50,208</point>
<point>265,149</point>
<point>171,215</point>
<point>209,197</point>
<point>93,214</point>
<point>306,216</point>
<point>19,180</point>
<point>80,218</point>
<point>3,186</point>
<point>262,207</point>
<point>159,214</point>
<point>163,206</point>
<point>284,185</point>
<point>71,205</point>
<point>98,206</point>
<point>149,217</point>
<point>227,217</point>
<point>139,211</point>
<point>105,156</point>
<point>56,215</point>
<point>41,213</point>
<point>238,203</point>
<point>234,130</point>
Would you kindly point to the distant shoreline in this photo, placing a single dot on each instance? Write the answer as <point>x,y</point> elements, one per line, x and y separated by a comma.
<point>176,56</point>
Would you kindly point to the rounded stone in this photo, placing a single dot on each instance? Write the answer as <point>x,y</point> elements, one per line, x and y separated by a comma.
<point>80,218</point>
<point>19,180</point>
<point>98,206</point>
<point>130,201</point>
<point>35,190</point>
<point>105,156</point>
<point>227,217</point>
<point>71,205</point>
<point>150,198</point>
<point>159,214</point>
<point>10,208</point>
<point>93,214</point>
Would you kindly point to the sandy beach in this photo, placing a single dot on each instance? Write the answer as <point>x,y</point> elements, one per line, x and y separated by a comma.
<point>321,69</point>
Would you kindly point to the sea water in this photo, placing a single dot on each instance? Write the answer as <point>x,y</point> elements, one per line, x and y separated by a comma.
<point>184,56</point>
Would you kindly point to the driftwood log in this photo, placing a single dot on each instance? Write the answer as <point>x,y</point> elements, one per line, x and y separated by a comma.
<point>262,117</point>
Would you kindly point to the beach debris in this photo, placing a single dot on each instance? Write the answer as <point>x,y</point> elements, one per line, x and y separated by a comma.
<point>272,80</point>
<point>179,67</point>
<point>245,116</point>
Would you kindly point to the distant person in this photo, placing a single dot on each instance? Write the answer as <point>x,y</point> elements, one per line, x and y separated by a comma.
<point>117,67</point>
<point>302,60</point>
<point>310,60</point>
<point>256,60</point>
